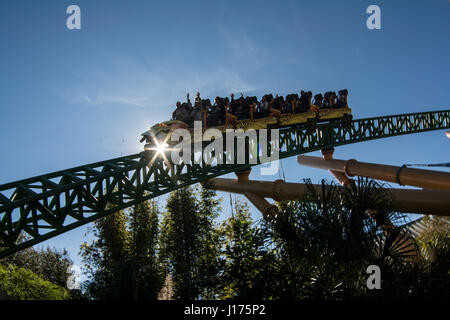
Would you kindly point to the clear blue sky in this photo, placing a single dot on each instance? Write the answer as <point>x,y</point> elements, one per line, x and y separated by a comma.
<point>71,97</point>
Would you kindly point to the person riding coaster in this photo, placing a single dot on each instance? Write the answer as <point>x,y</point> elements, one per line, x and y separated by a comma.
<point>227,114</point>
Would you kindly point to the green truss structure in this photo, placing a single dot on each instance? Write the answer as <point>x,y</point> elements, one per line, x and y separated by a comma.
<point>51,204</point>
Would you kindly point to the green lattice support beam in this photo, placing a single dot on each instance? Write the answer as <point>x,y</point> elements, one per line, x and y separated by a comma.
<point>51,204</point>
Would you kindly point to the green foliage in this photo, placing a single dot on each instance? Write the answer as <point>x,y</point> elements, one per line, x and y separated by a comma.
<point>21,284</point>
<point>121,263</point>
<point>434,243</point>
<point>327,239</point>
<point>318,247</point>
<point>210,262</point>
<point>190,244</point>
<point>50,263</point>
<point>247,267</point>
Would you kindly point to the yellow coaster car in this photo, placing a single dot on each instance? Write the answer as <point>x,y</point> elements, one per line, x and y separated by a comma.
<point>161,132</point>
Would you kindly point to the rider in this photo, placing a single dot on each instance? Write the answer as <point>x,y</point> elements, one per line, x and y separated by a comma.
<point>342,99</point>
<point>197,111</point>
<point>216,113</point>
<point>183,111</point>
<point>234,105</point>
<point>243,111</point>
<point>177,114</point>
<point>277,102</point>
<point>318,100</point>
<point>264,106</point>
<point>305,101</point>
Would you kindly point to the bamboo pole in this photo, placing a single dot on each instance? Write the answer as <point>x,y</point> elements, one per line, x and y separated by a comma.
<point>435,202</point>
<point>427,179</point>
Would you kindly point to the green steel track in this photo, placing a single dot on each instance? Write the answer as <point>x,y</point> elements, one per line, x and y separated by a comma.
<point>48,205</point>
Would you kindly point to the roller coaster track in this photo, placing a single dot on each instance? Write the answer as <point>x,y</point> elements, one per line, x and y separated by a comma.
<point>49,205</point>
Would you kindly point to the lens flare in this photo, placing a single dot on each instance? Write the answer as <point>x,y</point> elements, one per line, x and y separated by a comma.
<point>160,148</point>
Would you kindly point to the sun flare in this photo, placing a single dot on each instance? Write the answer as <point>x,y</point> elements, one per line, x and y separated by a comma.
<point>160,148</point>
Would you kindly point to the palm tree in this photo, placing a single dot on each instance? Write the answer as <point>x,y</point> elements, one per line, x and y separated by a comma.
<point>326,240</point>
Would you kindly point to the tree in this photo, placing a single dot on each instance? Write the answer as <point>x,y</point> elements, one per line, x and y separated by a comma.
<point>190,243</point>
<point>434,243</point>
<point>50,263</point>
<point>18,283</point>
<point>121,263</point>
<point>210,262</point>
<point>147,272</point>
<point>328,238</point>
<point>248,261</point>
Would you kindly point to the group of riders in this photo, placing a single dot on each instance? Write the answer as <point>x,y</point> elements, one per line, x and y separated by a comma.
<point>242,108</point>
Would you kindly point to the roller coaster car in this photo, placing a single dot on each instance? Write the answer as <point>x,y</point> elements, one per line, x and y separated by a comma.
<point>161,132</point>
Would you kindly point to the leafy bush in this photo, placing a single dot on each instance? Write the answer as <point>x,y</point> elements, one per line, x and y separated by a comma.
<point>22,284</point>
